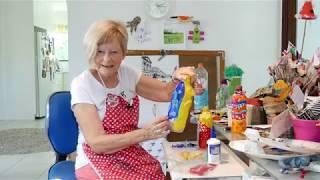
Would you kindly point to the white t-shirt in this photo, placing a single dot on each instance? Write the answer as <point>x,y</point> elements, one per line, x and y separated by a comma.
<point>85,88</point>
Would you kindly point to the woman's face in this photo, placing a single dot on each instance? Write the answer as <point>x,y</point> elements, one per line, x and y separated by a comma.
<point>108,58</point>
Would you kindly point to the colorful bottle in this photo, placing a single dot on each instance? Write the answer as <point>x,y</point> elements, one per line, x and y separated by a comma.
<point>214,148</point>
<point>205,124</point>
<point>239,111</point>
<point>180,105</point>
<point>201,97</point>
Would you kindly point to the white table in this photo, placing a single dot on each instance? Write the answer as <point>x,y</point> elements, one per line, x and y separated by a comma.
<point>270,166</point>
<point>230,168</point>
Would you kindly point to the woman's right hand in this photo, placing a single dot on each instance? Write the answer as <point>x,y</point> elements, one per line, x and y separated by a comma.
<point>158,128</point>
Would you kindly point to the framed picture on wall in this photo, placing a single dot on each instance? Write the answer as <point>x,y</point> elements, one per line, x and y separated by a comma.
<point>174,35</point>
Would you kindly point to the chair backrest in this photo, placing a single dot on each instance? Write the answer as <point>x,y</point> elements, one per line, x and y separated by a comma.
<point>61,125</point>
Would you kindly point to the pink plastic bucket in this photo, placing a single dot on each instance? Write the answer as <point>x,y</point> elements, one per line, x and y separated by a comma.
<point>306,129</point>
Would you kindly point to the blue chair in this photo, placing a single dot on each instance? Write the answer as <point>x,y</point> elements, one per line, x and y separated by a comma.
<point>62,131</point>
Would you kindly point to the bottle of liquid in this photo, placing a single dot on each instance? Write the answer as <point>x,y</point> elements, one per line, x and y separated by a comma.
<point>222,95</point>
<point>201,88</point>
<point>218,97</point>
<point>205,124</point>
<point>214,148</point>
<point>239,111</point>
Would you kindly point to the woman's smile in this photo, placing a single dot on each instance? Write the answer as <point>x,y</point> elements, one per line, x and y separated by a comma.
<point>107,66</point>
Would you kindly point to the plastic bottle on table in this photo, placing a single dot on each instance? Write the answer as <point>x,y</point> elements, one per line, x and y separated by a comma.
<point>222,95</point>
<point>201,97</point>
<point>239,111</point>
<point>214,148</point>
<point>205,124</point>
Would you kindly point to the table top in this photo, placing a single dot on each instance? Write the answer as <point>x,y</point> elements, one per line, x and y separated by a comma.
<point>270,166</point>
<point>179,168</point>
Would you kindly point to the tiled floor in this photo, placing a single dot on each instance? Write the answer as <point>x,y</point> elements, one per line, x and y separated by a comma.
<point>25,166</point>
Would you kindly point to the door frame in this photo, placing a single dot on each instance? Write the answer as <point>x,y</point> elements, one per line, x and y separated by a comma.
<point>289,23</point>
<point>36,56</point>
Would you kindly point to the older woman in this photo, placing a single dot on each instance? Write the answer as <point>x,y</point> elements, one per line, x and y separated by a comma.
<point>106,105</point>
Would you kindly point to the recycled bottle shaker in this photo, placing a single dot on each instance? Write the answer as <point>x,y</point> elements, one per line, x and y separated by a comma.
<point>239,111</point>
<point>205,124</point>
<point>180,105</point>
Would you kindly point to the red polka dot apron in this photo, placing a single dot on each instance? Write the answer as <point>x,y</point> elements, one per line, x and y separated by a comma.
<point>132,162</point>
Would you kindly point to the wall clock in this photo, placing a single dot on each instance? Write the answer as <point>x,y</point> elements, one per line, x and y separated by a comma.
<point>157,8</point>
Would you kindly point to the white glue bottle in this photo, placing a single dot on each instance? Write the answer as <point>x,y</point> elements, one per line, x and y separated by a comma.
<point>214,148</point>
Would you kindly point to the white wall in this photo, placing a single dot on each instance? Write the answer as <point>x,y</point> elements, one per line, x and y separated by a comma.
<point>17,87</point>
<point>47,14</point>
<point>2,74</point>
<point>312,39</point>
<point>248,31</point>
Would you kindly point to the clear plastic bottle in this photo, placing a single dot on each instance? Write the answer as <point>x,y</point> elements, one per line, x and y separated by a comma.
<point>218,94</point>
<point>201,97</point>
<point>222,96</point>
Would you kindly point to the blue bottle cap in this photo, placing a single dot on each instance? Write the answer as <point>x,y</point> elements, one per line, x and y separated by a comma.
<point>213,133</point>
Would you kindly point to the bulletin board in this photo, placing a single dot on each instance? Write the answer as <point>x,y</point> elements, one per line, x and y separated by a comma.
<point>214,62</point>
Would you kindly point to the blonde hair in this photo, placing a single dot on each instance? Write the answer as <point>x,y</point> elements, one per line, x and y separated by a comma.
<point>102,32</point>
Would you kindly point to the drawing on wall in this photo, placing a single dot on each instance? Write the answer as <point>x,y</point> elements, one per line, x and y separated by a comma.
<point>133,24</point>
<point>182,19</point>
<point>143,32</point>
<point>174,35</point>
<point>153,71</point>
<point>196,35</point>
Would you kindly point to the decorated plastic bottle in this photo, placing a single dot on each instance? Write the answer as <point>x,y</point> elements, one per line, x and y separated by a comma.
<point>205,124</point>
<point>180,105</point>
<point>201,97</point>
<point>239,111</point>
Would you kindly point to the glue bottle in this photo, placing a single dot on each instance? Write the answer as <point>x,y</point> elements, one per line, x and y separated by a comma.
<point>214,148</point>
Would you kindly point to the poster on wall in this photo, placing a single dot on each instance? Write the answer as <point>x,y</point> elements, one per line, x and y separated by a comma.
<point>174,35</point>
<point>160,68</point>
<point>143,32</point>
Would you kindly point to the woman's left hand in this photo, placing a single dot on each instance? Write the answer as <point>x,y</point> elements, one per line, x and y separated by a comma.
<point>184,72</point>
